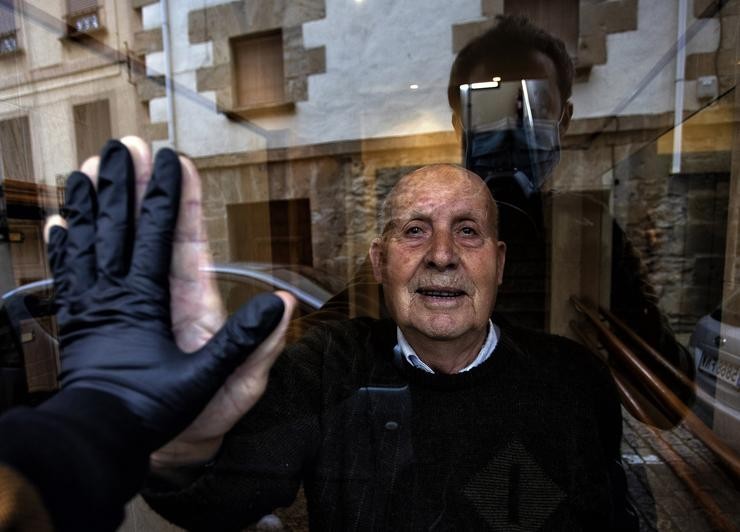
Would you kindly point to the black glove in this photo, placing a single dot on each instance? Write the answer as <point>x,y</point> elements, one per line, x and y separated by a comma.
<point>112,292</point>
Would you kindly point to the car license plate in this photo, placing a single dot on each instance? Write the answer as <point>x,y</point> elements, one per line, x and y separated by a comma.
<point>721,369</point>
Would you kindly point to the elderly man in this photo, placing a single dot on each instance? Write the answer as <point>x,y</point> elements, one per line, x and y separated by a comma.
<point>520,177</point>
<point>436,419</point>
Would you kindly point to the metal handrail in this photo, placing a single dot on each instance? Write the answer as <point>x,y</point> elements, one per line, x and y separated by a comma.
<point>617,348</point>
<point>647,348</point>
<point>678,465</point>
<point>674,460</point>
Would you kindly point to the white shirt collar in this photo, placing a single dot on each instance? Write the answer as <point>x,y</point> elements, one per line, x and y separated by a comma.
<point>412,358</point>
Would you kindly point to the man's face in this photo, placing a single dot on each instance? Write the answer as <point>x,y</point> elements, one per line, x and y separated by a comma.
<point>439,261</point>
<point>513,67</point>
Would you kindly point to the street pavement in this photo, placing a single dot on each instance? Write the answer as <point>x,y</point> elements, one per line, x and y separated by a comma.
<point>656,464</point>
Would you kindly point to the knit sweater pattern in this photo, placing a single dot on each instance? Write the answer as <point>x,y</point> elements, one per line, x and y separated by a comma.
<point>528,440</point>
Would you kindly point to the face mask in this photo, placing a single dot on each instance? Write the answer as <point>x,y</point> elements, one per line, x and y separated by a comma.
<point>509,151</point>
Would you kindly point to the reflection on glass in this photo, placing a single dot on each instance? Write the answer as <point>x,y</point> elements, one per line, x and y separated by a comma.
<point>301,118</point>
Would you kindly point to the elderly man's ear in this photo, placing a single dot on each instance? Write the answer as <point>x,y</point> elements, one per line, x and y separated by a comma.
<point>376,259</point>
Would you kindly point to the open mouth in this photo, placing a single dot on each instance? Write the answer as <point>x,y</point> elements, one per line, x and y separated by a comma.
<point>440,292</point>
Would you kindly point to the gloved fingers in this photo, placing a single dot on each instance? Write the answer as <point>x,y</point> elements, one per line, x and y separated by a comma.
<point>251,339</point>
<point>81,209</point>
<point>115,221</point>
<point>154,235</point>
<point>141,155</point>
<point>55,236</point>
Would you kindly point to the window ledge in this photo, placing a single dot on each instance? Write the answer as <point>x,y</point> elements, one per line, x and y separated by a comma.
<point>252,111</point>
<point>10,53</point>
<point>82,23</point>
<point>77,36</point>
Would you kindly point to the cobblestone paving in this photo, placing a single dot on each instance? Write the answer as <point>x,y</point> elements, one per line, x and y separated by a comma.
<point>662,499</point>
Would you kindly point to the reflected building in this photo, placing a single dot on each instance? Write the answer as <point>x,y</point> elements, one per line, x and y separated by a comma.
<point>67,82</point>
<point>301,116</point>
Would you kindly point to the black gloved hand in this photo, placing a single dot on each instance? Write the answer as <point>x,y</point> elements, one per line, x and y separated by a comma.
<point>112,292</point>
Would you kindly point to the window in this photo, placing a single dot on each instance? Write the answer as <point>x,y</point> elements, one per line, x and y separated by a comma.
<point>258,70</point>
<point>15,148</point>
<point>83,16</point>
<point>277,231</point>
<point>8,30</point>
<point>92,127</point>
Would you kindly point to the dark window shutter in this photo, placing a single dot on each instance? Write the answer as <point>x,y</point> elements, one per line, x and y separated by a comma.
<point>15,148</point>
<point>92,127</point>
<point>80,6</point>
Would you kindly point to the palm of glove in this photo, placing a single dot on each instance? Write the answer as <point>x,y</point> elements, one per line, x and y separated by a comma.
<point>112,284</point>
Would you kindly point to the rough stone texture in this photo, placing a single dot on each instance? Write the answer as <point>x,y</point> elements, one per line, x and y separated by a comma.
<point>149,88</point>
<point>700,65</point>
<point>156,131</point>
<point>596,20</point>
<point>491,8</point>
<point>343,189</point>
<point>221,23</point>
<point>591,50</point>
<point>726,67</point>
<point>705,8</point>
<point>138,4</point>
<point>662,500</point>
<point>608,17</point>
<point>678,224</point>
<point>238,18</point>
<point>213,78</point>
<point>147,41</point>
<point>729,30</point>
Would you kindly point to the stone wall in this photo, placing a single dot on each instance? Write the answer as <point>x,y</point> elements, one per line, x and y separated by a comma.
<point>343,182</point>
<point>678,223</point>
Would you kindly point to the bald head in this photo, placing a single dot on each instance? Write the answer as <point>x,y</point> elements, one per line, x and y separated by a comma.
<point>436,177</point>
<point>440,263</point>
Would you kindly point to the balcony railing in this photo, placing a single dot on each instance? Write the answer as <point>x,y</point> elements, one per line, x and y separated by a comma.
<point>8,42</point>
<point>86,21</point>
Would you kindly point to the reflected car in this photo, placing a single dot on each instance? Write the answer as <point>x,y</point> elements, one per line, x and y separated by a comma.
<point>28,336</point>
<point>715,345</point>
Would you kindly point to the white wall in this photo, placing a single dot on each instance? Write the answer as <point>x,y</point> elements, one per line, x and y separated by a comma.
<point>375,49</point>
<point>199,130</point>
<point>633,55</point>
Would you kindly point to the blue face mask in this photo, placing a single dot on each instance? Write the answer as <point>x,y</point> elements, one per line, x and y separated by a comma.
<point>506,151</point>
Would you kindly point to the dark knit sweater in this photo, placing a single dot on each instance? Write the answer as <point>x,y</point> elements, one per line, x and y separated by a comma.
<point>528,439</point>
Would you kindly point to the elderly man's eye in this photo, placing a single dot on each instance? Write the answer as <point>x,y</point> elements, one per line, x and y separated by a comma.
<point>414,230</point>
<point>468,231</point>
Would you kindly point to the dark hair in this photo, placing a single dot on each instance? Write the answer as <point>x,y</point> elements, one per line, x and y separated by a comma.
<point>510,33</point>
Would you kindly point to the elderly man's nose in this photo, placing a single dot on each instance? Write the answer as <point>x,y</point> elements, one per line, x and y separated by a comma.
<point>442,253</point>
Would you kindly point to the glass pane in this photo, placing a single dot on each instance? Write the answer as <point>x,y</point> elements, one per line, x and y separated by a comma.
<point>606,131</point>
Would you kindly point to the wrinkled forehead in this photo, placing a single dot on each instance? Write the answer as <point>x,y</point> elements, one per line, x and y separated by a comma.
<point>441,193</point>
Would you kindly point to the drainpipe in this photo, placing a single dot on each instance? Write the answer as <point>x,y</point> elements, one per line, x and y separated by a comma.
<point>680,85</point>
<point>169,92</point>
